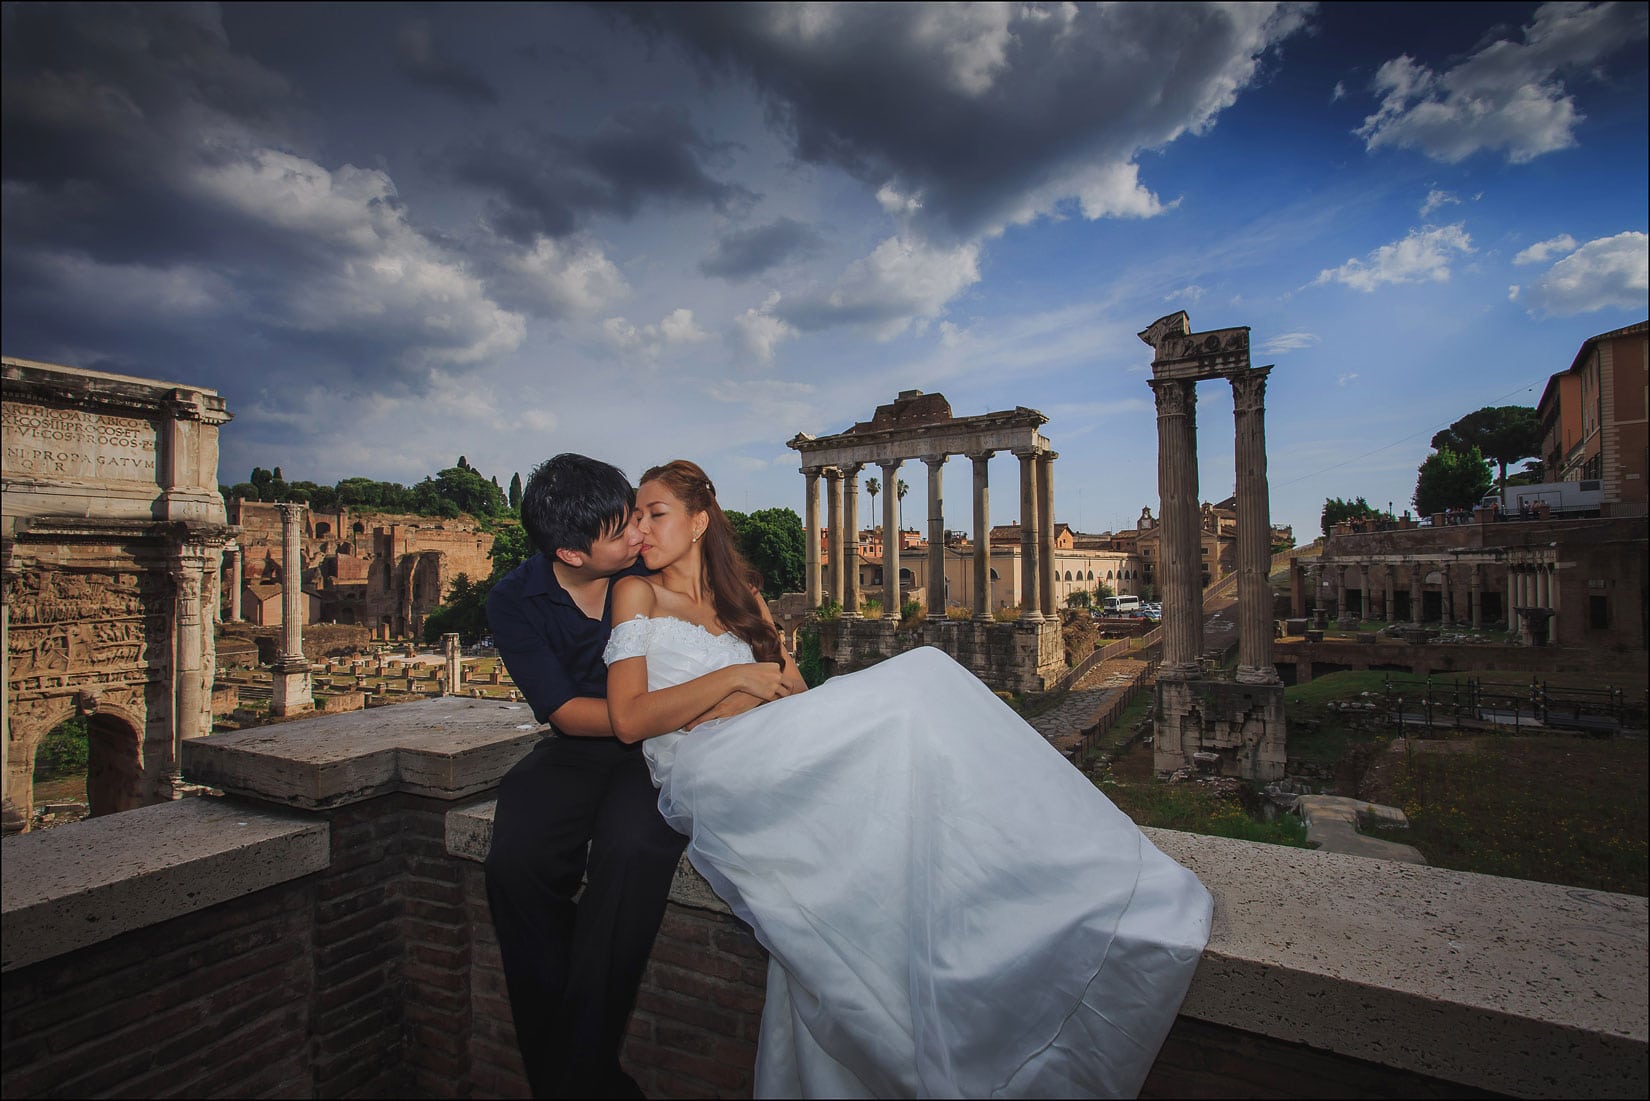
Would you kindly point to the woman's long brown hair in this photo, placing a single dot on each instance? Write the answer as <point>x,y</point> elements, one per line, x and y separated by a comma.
<point>734,583</point>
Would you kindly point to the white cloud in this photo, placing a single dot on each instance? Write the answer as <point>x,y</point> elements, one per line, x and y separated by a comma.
<point>1611,271</point>
<point>1507,95</point>
<point>562,278</point>
<point>1542,251</point>
<point>1338,93</point>
<point>1435,199</point>
<point>771,401</point>
<point>757,332</point>
<point>1284,343</point>
<point>676,327</point>
<point>892,202</point>
<point>1189,294</point>
<point>904,279</point>
<point>1347,378</point>
<point>1421,257</point>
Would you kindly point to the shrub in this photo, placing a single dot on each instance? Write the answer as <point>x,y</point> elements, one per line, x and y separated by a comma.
<point>957,611</point>
<point>809,662</point>
<point>1006,615</point>
<point>64,751</point>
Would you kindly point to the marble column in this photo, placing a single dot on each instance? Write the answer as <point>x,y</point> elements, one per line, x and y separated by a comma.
<point>936,534</point>
<point>850,540</point>
<point>1417,580</point>
<point>1254,529</point>
<point>982,535</point>
<point>293,690</point>
<point>890,537</point>
<point>455,661</point>
<point>1340,589</point>
<point>810,519</point>
<point>1031,601</point>
<point>833,521</point>
<point>1552,602</point>
<point>1446,598</point>
<point>236,580</point>
<point>1045,532</point>
<point>191,704</point>
<point>1180,567</point>
<point>1389,594</point>
<point>1475,596</point>
<point>1513,618</point>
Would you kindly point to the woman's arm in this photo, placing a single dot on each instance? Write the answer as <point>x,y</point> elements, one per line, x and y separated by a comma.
<point>638,713</point>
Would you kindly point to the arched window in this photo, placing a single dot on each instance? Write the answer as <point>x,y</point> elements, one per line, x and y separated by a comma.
<point>1091,575</point>
<point>1108,575</point>
<point>994,576</point>
<point>322,530</point>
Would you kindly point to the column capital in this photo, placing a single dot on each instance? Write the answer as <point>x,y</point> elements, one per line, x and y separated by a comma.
<point>833,474</point>
<point>1248,388</point>
<point>851,470</point>
<point>934,460</point>
<point>1048,456</point>
<point>1175,397</point>
<point>811,471</point>
<point>979,456</point>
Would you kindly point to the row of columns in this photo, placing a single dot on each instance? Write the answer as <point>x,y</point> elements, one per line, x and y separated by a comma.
<point>1532,582</point>
<point>1413,574</point>
<point>1181,561</point>
<point>840,565</point>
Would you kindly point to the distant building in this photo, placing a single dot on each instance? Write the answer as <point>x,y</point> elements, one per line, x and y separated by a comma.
<point>1594,419</point>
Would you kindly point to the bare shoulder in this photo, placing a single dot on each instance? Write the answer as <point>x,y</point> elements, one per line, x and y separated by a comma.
<point>633,596</point>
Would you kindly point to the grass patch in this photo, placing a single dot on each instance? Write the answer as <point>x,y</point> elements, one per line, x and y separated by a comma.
<point>1196,808</point>
<point>1549,808</point>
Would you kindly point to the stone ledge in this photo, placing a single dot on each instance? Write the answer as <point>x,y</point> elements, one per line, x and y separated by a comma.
<point>1521,988</point>
<point>470,834</point>
<point>447,748</point>
<point>88,882</point>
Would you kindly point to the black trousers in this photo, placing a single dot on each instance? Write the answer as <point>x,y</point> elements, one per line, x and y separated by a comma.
<point>577,809</point>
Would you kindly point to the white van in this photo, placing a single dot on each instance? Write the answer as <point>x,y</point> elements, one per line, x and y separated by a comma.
<point>1121,605</point>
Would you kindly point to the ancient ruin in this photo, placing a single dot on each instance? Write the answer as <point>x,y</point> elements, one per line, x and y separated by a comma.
<point>1235,728</point>
<point>920,426</point>
<point>113,536</point>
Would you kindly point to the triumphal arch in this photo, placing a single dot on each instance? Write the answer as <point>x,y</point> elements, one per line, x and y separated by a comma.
<point>1234,727</point>
<point>113,535</point>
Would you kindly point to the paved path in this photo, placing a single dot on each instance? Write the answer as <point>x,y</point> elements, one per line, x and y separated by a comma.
<point>1082,705</point>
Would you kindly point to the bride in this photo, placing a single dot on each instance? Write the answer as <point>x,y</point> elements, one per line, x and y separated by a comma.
<point>951,909</point>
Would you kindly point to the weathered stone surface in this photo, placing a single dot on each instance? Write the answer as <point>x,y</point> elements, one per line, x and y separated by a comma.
<point>113,532</point>
<point>67,888</point>
<point>1332,824</point>
<point>1521,988</point>
<point>446,748</point>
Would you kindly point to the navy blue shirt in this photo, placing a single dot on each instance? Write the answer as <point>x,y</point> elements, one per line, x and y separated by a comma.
<point>551,648</point>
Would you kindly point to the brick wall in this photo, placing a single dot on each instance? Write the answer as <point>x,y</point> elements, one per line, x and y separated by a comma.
<point>215,1003</point>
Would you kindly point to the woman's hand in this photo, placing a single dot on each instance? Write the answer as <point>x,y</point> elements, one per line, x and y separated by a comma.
<point>763,679</point>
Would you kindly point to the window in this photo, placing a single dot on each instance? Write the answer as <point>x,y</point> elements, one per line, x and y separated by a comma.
<point>1598,612</point>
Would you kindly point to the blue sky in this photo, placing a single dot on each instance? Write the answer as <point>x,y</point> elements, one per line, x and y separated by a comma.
<point>393,234</point>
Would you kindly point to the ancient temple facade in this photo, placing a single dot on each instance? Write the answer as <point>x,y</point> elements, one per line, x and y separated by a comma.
<point>1233,727</point>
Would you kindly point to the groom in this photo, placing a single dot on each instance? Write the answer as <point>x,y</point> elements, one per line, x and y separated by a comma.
<point>580,807</point>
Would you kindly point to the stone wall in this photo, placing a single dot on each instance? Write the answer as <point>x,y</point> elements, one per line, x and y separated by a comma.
<point>1008,657</point>
<point>324,933</point>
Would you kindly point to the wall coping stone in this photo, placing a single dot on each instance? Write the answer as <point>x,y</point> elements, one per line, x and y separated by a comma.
<point>447,748</point>
<point>87,882</point>
<point>1520,988</point>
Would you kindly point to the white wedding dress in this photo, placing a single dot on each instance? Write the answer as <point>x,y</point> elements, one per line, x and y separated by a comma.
<point>952,909</point>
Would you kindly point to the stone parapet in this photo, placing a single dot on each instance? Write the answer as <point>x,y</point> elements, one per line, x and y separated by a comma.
<point>446,748</point>
<point>1020,656</point>
<point>68,888</point>
<point>374,970</point>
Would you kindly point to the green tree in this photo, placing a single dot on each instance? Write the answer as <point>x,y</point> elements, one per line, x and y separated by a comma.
<point>873,486</point>
<point>1502,433</point>
<point>464,611</point>
<point>64,751</point>
<point>1079,598</point>
<point>465,488</point>
<point>515,492</point>
<point>1451,479</point>
<point>771,539</point>
<point>900,490</point>
<point>1336,511</point>
<point>511,548</point>
<point>246,491</point>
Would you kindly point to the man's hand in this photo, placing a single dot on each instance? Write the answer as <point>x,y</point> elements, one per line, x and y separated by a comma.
<point>736,704</point>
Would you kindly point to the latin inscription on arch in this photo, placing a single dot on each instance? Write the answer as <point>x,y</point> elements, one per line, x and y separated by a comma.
<point>78,444</point>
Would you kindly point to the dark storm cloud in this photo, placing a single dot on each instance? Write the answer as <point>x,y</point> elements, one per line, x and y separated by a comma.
<point>159,212</point>
<point>986,113</point>
<point>746,252</point>
<point>423,64</point>
<point>548,186</point>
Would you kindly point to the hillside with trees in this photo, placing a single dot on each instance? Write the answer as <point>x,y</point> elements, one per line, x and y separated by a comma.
<point>460,488</point>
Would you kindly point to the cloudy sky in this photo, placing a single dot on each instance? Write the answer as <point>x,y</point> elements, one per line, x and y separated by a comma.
<point>391,234</point>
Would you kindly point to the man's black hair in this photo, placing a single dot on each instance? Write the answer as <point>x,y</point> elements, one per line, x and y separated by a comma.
<point>572,500</point>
